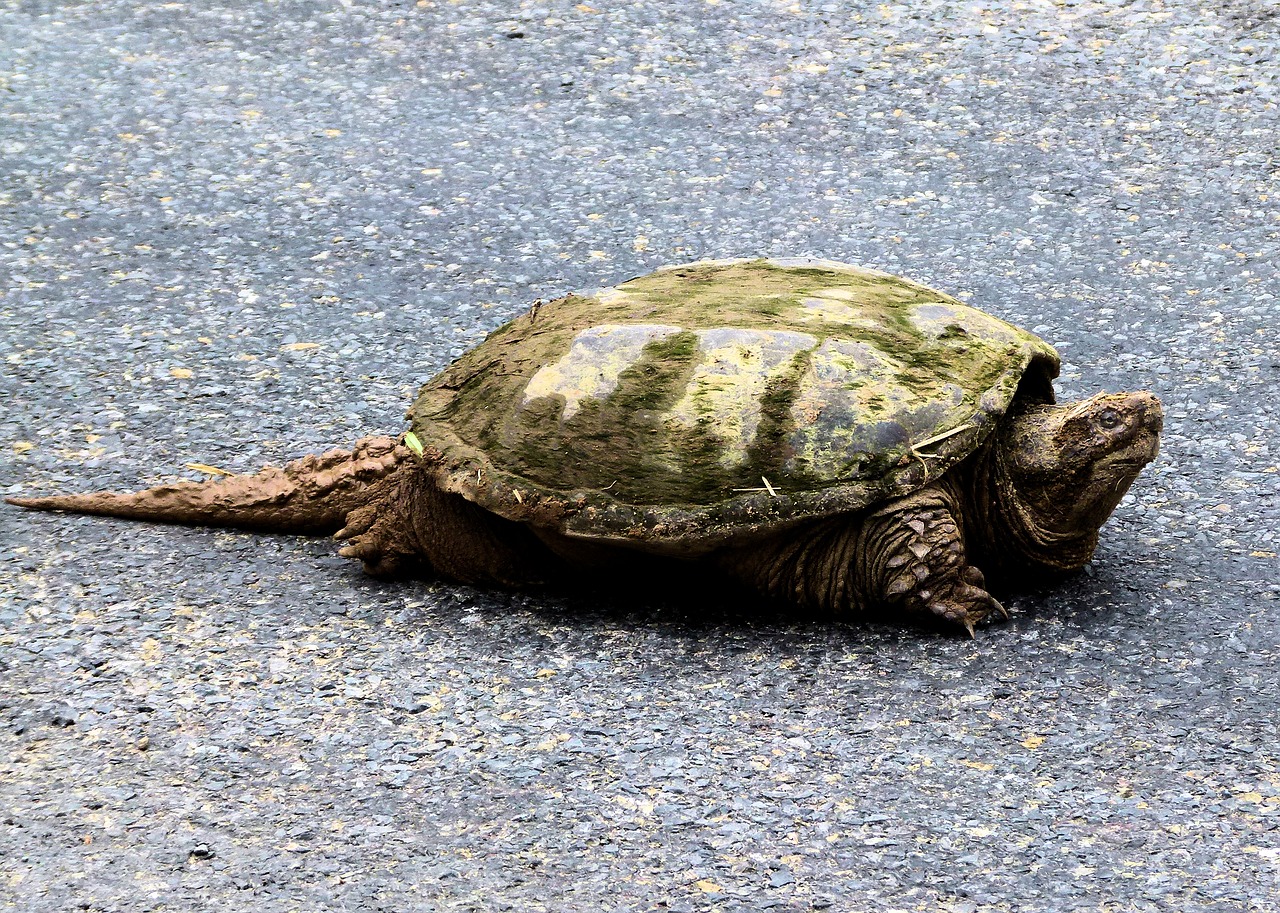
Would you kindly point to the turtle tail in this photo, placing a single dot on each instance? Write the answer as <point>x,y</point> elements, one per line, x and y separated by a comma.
<point>312,495</point>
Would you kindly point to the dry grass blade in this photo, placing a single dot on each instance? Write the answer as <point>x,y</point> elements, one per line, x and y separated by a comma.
<point>212,470</point>
<point>941,437</point>
<point>767,487</point>
<point>1077,409</point>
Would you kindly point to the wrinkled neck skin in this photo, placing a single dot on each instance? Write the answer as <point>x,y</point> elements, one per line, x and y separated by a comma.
<point>1017,546</point>
<point>1051,478</point>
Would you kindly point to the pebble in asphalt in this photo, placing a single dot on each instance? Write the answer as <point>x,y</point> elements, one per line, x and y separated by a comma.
<point>233,233</point>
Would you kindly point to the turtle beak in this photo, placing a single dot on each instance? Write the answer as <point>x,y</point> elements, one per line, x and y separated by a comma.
<point>1147,423</point>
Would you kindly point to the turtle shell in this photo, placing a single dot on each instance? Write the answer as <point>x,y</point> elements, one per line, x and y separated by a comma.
<point>723,400</point>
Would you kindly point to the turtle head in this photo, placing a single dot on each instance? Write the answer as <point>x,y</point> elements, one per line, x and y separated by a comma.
<point>1070,465</point>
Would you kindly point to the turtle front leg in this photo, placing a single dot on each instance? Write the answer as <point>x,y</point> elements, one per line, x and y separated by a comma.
<point>911,556</point>
<point>908,556</point>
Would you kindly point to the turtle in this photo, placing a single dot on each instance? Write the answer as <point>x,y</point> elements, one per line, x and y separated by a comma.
<point>836,438</point>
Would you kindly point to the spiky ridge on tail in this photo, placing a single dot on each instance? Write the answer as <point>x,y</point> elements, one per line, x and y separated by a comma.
<point>312,495</point>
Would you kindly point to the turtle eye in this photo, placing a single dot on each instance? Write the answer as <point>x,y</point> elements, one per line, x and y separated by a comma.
<point>1109,419</point>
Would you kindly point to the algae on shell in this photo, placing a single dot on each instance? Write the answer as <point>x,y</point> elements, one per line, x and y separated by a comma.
<point>678,390</point>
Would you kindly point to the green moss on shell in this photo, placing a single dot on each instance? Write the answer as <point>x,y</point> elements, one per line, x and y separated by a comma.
<point>654,427</point>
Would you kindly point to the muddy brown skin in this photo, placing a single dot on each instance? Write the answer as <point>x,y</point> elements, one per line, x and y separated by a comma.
<point>1030,501</point>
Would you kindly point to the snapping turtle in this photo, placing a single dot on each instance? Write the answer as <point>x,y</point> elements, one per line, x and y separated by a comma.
<point>832,436</point>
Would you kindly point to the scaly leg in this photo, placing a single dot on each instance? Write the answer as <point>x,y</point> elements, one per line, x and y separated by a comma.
<point>413,527</point>
<point>908,556</point>
<point>912,557</point>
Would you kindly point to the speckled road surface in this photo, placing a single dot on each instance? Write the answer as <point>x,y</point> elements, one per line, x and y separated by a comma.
<point>230,234</point>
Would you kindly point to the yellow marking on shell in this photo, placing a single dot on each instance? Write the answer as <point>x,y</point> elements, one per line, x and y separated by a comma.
<point>936,318</point>
<point>834,310</point>
<point>817,263</point>
<point>610,296</point>
<point>847,307</point>
<point>853,401</point>
<point>596,359</point>
<point>728,383</point>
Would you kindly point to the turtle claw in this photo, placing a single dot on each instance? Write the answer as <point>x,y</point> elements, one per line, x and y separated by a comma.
<point>984,606</point>
<point>987,605</point>
<point>962,604</point>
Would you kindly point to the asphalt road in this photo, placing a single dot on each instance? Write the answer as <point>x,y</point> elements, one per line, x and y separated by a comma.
<point>232,234</point>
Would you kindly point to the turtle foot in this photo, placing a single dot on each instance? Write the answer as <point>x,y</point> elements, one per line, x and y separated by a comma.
<point>961,600</point>
<point>378,543</point>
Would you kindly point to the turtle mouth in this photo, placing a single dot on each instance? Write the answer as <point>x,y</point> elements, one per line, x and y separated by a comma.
<point>1139,451</point>
<point>1123,466</point>
<point>1132,458</point>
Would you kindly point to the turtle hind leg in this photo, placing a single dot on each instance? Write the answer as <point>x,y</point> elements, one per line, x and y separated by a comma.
<point>414,528</point>
<point>913,559</point>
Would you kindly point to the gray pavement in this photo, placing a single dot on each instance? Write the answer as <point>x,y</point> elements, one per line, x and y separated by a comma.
<point>231,234</point>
